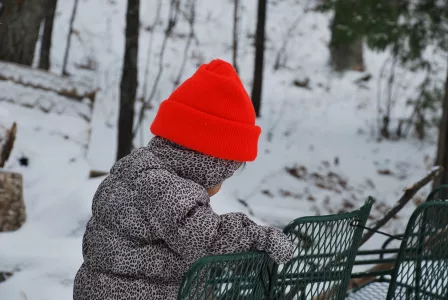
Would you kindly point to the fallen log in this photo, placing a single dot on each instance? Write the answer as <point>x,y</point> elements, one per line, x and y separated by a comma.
<point>68,93</point>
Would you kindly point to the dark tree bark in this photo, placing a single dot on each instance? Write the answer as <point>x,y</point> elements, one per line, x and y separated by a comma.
<point>20,22</point>
<point>259,56</point>
<point>347,56</point>
<point>129,80</point>
<point>44,61</point>
<point>344,56</point>
<point>442,148</point>
<point>235,35</point>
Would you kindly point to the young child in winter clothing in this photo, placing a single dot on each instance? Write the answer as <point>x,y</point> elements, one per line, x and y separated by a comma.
<point>151,217</point>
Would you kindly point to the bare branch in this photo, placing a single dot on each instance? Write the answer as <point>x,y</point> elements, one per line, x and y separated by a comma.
<point>191,19</point>
<point>409,192</point>
<point>148,52</point>
<point>281,52</point>
<point>235,35</point>
<point>172,20</point>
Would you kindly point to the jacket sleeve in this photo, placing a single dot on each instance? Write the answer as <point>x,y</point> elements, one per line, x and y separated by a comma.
<point>187,223</point>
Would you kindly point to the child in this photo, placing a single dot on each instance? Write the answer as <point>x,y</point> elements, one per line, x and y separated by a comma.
<point>151,217</point>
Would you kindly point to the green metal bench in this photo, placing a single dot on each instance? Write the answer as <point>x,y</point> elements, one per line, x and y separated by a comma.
<point>420,270</point>
<point>229,276</point>
<point>325,249</point>
<point>440,192</point>
<point>437,193</point>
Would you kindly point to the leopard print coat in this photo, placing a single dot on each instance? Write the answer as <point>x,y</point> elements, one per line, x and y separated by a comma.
<point>151,218</point>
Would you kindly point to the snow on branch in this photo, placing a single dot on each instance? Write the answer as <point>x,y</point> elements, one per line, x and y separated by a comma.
<point>46,81</point>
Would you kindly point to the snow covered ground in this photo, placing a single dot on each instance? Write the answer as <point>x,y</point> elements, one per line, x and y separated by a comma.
<point>319,152</point>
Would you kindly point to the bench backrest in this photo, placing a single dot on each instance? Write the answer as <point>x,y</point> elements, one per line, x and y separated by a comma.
<point>239,276</point>
<point>324,254</point>
<point>440,192</point>
<point>421,270</point>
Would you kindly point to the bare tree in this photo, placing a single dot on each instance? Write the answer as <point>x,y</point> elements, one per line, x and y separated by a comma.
<point>19,29</point>
<point>259,56</point>
<point>235,35</point>
<point>442,148</point>
<point>69,38</point>
<point>172,20</point>
<point>191,16</point>
<point>44,61</point>
<point>129,80</point>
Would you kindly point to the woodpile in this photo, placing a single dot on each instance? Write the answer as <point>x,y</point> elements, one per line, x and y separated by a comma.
<point>12,206</point>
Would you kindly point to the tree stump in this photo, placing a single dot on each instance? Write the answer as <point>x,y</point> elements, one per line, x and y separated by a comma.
<point>12,206</point>
<point>7,145</point>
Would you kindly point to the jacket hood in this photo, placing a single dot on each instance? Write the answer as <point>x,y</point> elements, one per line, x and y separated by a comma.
<point>205,170</point>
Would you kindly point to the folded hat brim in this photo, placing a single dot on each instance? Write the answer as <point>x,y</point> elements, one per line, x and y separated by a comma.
<point>206,133</point>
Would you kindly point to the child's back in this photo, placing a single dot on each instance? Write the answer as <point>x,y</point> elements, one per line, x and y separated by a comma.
<point>151,218</point>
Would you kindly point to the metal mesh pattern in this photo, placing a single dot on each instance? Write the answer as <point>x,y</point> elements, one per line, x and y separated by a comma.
<point>325,251</point>
<point>440,192</point>
<point>240,276</point>
<point>422,263</point>
<point>371,291</point>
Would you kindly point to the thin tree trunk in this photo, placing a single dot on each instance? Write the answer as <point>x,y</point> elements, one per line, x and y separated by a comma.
<point>129,80</point>
<point>173,12</point>
<point>69,38</point>
<point>235,35</point>
<point>442,148</point>
<point>44,61</point>
<point>19,29</point>
<point>259,56</point>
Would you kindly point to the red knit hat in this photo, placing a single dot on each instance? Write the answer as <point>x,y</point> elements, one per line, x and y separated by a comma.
<point>211,113</point>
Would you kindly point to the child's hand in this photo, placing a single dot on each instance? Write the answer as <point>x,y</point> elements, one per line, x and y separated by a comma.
<point>278,246</point>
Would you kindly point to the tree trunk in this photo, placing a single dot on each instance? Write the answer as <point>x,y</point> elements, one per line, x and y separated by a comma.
<point>19,29</point>
<point>129,80</point>
<point>69,39</point>
<point>442,148</point>
<point>235,35</point>
<point>344,55</point>
<point>12,207</point>
<point>348,56</point>
<point>44,61</point>
<point>259,56</point>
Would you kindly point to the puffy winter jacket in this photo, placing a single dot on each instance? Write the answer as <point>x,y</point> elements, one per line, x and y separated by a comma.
<point>151,218</point>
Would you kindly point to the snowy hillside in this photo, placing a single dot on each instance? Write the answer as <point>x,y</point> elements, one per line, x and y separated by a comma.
<point>319,152</point>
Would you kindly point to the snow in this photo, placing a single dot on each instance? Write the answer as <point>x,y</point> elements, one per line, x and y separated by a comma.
<point>326,131</point>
